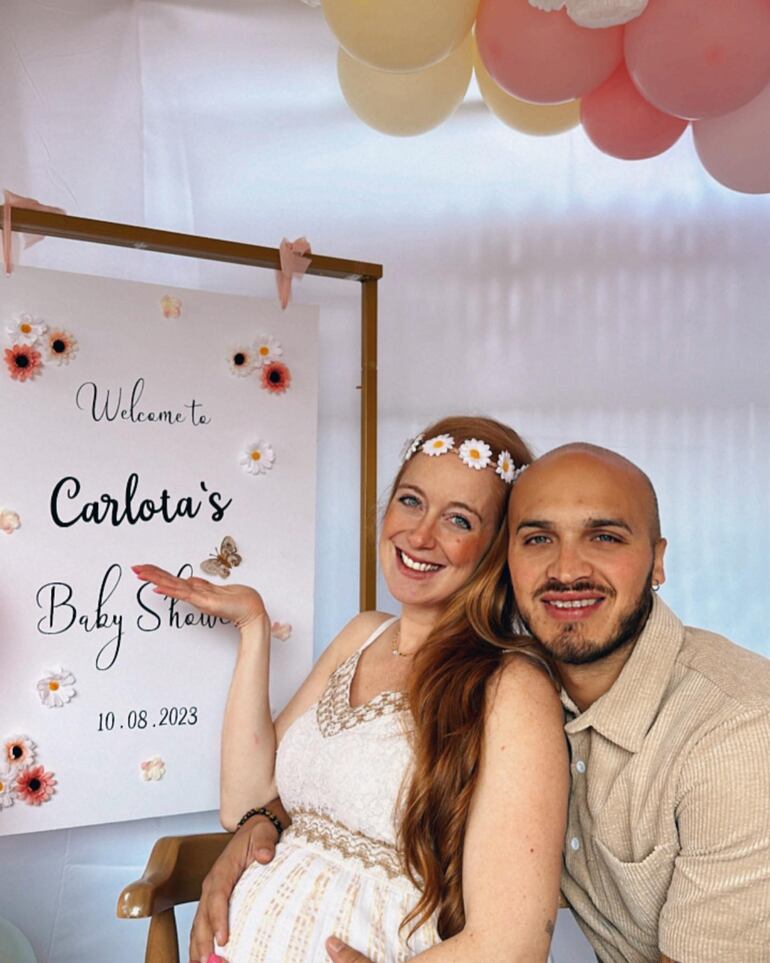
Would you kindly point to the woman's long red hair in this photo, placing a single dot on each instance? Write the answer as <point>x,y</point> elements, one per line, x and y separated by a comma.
<point>448,698</point>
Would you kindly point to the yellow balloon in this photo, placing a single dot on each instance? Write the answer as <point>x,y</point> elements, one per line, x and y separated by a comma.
<point>539,119</point>
<point>406,104</point>
<point>400,35</point>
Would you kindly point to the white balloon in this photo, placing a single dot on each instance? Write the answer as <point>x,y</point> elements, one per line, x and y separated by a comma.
<point>14,945</point>
<point>604,13</point>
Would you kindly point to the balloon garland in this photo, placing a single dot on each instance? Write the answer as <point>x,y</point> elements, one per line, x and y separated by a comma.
<point>634,73</point>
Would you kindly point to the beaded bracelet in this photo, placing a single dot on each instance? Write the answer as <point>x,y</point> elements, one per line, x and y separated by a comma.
<point>262,811</point>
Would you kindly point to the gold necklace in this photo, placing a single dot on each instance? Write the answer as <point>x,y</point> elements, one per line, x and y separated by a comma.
<point>394,647</point>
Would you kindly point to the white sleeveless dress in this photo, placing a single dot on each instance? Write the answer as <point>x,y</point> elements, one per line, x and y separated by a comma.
<point>339,772</point>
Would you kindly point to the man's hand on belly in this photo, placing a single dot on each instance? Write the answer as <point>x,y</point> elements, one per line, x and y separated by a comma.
<point>254,842</point>
<point>341,953</point>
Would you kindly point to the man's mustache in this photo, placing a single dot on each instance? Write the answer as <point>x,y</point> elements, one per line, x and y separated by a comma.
<point>583,585</point>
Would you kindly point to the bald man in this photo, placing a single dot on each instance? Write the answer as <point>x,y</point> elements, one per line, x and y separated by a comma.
<point>667,853</point>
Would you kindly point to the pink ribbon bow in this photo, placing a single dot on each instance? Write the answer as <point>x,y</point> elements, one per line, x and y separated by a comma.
<point>11,200</point>
<point>293,261</point>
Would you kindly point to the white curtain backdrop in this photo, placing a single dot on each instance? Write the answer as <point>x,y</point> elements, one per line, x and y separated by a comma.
<point>576,296</point>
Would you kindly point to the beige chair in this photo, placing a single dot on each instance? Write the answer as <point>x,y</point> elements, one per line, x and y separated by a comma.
<point>174,874</point>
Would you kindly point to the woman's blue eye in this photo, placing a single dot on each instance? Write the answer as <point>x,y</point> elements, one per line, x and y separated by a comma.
<point>461,522</point>
<point>411,501</point>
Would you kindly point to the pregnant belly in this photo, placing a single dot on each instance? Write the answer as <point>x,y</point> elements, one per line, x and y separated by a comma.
<point>284,911</point>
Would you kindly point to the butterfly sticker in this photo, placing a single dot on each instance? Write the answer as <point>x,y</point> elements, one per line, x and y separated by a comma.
<point>224,560</point>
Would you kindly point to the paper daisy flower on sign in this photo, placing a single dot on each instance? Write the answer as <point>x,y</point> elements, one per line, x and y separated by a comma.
<point>34,785</point>
<point>56,688</point>
<point>23,362</point>
<point>438,445</point>
<point>242,361</point>
<point>18,751</point>
<point>61,346</point>
<point>475,453</point>
<point>276,377</point>
<point>9,521</point>
<point>258,458</point>
<point>281,631</point>
<point>153,769</point>
<point>411,445</point>
<point>27,330</point>
<point>7,789</point>
<point>266,349</point>
<point>170,306</point>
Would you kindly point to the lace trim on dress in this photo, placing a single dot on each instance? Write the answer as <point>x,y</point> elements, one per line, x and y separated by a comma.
<point>334,711</point>
<point>319,828</point>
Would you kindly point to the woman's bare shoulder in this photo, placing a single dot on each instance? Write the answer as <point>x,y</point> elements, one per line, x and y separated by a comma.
<point>523,680</point>
<point>353,635</point>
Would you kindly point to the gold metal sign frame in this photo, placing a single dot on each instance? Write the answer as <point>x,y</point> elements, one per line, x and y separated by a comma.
<point>252,255</point>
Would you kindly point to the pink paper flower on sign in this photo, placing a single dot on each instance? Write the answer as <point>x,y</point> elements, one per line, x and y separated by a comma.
<point>34,785</point>
<point>23,362</point>
<point>61,346</point>
<point>170,306</point>
<point>153,769</point>
<point>281,631</point>
<point>56,688</point>
<point>9,521</point>
<point>276,377</point>
<point>27,330</point>
<point>18,751</point>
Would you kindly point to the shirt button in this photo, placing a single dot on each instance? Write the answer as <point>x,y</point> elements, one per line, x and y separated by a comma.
<point>574,844</point>
<point>580,766</point>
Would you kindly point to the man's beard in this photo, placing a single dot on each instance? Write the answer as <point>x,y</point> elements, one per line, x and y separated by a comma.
<point>570,649</point>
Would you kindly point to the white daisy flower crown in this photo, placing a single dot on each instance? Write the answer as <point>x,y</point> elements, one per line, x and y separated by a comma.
<point>473,452</point>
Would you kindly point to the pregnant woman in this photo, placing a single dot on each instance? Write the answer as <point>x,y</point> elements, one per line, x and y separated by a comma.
<point>422,762</point>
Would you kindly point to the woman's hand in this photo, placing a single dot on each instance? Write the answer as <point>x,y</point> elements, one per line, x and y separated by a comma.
<point>236,603</point>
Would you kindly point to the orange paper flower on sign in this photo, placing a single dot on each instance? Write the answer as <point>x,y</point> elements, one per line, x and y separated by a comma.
<point>61,346</point>
<point>276,377</point>
<point>18,752</point>
<point>23,362</point>
<point>34,785</point>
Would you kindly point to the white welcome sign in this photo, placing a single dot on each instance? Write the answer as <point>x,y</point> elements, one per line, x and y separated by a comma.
<point>142,424</point>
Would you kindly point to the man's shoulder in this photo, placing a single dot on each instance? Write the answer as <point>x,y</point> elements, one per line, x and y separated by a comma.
<point>741,676</point>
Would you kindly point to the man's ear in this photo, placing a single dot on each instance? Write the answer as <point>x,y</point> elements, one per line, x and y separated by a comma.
<point>658,570</point>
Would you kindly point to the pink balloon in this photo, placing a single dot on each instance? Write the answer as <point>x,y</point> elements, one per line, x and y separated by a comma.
<point>700,58</point>
<point>620,122</point>
<point>735,148</point>
<point>543,56</point>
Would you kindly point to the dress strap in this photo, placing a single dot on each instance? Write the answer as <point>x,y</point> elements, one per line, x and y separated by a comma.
<point>382,627</point>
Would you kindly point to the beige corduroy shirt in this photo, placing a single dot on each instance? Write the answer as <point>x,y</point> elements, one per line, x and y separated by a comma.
<point>668,839</point>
